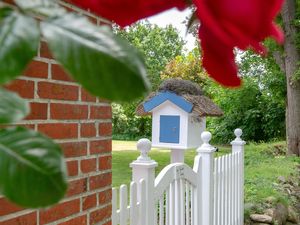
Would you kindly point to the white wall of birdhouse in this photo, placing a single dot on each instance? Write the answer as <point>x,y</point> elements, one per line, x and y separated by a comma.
<point>169,109</point>
<point>189,129</point>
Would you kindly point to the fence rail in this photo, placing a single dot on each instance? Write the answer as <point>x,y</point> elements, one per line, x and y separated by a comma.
<point>210,193</point>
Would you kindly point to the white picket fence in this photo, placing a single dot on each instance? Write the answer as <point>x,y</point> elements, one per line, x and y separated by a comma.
<point>210,193</point>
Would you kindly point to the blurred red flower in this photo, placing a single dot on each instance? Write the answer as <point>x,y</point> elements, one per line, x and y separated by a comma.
<point>225,24</point>
<point>126,12</point>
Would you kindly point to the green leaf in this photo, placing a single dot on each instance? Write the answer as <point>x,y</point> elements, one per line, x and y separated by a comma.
<point>12,107</point>
<point>32,169</point>
<point>103,63</point>
<point>19,39</point>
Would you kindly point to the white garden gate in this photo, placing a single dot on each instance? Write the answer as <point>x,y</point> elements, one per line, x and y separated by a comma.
<point>209,194</point>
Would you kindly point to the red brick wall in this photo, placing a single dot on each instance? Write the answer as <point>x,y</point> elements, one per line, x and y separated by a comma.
<point>63,110</point>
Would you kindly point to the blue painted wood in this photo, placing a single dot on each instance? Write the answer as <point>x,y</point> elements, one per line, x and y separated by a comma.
<point>164,96</point>
<point>169,129</point>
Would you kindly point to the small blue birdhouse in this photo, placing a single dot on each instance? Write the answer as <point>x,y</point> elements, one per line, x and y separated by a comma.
<point>178,118</point>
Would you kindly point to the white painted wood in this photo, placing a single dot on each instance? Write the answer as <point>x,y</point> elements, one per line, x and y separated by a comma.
<point>182,201</point>
<point>167,207</point>
<point>211,193</point>
<point>133,204</point>
<point>169,108</point>
<point>190,129</point>
<point>238,146</point>
<point>123,205</point>
<point>206,152</point>
<point>169,174</point>
<point>142,199</point>
<point>187,203</point>
<point>172,203</point>
<point>144,168</point>
<point>114,206</point>
<point>161,210</point>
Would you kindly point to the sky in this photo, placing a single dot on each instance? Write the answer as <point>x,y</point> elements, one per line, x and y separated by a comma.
<point>176,18</point>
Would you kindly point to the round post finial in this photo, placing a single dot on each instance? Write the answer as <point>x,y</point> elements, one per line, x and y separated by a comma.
<point>144,146</point>
<point>238,133</point>
<point>206,147</point>
<point>206,137</point>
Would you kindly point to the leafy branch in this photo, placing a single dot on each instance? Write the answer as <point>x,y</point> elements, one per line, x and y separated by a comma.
<point>101,62</point>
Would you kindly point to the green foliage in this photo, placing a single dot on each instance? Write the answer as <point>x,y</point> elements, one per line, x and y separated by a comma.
<point>258,107</point>
<point>32,170</point>
<point>262,168</point>
<point>16,40</point>
<point>12,107</point>
<point>158,46</point>
<point>111,65</point>
<point>186,67</point>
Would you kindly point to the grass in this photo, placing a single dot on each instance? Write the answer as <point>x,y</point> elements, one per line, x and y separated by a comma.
<point>262,166</point>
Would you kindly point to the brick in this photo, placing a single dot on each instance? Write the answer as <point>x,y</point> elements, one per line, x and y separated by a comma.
<point>24,88</point>
<point>7,207</point>
<point>38,111</point>
<point>74,149</point>
<point>36,69</point>
<point>57,91</point>
<point>76,187</point>
<point>104,162</point>
<point>100,214</point>
<point>89,201</point>
<point>45,51</point>
<point>100,112</point>
<point>81,220</point>
<point>88,165</point>
<point>100,181</point>
<point>72,167</point>
<point>104,197</point>
<point>105,129</point>
<point>86,96</point>
<point>59,211</point>
<point>68,111</point>
<point>100,146</point>
<point>58,73</point>
<point>59,130</point>
<point>27,219</point>
<point>88,130</point>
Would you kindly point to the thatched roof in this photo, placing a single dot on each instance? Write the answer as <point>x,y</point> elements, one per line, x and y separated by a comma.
<point>202,105</point>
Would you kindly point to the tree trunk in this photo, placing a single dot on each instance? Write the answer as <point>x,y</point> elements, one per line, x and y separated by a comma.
<point>292,58</point>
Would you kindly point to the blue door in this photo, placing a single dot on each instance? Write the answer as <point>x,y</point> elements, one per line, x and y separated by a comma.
<point>169,129</point>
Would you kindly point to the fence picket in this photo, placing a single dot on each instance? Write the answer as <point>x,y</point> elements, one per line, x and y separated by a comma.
<point>187,203</point>
<point>133,203</point>
<point>180,194</point>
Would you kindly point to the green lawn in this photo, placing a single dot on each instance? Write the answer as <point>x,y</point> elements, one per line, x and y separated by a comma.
<point>261,168</point>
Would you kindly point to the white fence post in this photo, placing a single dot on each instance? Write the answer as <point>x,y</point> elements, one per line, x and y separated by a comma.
<point>238,147</point>
<point>204,167</point>
<point>144,168</point>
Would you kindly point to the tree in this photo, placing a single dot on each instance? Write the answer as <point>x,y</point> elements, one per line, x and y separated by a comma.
<point>186,67</point>
<point>288,59</point>
<point>158,46</point>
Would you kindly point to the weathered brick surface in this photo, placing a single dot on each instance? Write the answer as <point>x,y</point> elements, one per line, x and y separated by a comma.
<point>81,124</point>
<point>27,219</point>
<point>60,211</point>
<point>6,207</point>
<point>58,73</point>
<point>37,69</point>
<point>88,165</point>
